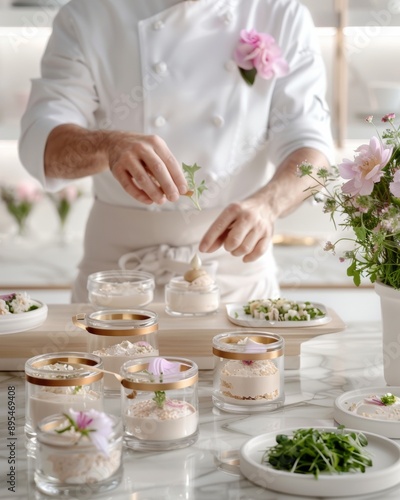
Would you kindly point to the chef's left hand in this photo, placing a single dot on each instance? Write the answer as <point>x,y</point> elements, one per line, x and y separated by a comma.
<point>244,228</point>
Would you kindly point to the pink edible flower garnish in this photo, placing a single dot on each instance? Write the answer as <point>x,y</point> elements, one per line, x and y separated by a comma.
<point>95,425</point>
<point>374,401</point>
<point>160,366</point>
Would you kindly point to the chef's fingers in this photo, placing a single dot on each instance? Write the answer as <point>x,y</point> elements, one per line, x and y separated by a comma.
<point>132,188</point>
<point>245,245</point>
<point>157,168</point>
<point>218,232</point>
<point>259,249</point>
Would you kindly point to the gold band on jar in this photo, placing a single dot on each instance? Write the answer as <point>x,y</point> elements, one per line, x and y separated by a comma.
<point>249,356</point>
<point>63,382</point>
<point>125,316</point>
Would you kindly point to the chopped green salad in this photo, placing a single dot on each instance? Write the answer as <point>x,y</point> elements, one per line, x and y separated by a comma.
<point>282,310</point>
<point>312,451</point>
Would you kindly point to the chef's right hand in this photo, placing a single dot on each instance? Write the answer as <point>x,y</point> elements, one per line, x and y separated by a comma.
<point>145,167</point>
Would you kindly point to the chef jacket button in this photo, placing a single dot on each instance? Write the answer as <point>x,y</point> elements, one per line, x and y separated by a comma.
<point>218,121</point>
<point>160,68</point>
<point>160,121</point>
<point>228,17</point>
<point>158,25</point>
<point>230,65</point>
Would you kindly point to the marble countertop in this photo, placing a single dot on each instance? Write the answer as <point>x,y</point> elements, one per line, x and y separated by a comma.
<point>330,365</point>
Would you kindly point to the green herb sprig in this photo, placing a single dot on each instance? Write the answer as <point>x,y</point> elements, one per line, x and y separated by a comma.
<point>388,399</point>
<point>159,398</point>
<point>195,190</point>
<point>313,451</point>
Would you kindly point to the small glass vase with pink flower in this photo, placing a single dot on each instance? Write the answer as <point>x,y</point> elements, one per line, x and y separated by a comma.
<point>20,200</point>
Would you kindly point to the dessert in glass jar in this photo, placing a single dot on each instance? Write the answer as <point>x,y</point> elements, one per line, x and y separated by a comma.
<point>248,371</point>
<point>117,336</point>
<point>159,403</point>
<point>120,289</point>
<point>78,454</point>
<point>57,382</point>
<point>194,294</point>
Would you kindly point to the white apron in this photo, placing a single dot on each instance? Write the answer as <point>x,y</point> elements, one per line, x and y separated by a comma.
<point>145,240</point>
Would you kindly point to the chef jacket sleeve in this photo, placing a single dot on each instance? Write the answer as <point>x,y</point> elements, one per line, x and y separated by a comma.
<point>65,93</point>
<point>299,115</point>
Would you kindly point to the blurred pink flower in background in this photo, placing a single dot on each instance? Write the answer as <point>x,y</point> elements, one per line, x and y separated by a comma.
<point>20,200</point>
<point>63,201</point>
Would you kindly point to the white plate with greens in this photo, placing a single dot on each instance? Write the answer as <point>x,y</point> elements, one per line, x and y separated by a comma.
<point>15,323</point>
<point>383,474</point>
<point>360,409</point>
<point>237,316</point>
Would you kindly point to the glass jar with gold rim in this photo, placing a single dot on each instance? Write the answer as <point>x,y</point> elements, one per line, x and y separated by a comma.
<point>118,335</point>
<point>70,464</point>
<point>159,403</point>
<point>248,371</point>
<point>56,382</point>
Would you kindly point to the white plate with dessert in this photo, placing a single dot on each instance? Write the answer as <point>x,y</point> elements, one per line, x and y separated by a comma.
<point>18,313</point>
<point>384,472</point>
<point>373,409</point>
<point>277,313</point>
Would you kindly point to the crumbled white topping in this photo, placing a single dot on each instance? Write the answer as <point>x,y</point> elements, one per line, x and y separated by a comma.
<point>126,348</point>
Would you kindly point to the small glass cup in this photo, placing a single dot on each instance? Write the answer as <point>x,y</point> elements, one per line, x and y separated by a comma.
<point>120,289</point>
<point>159,412</point>
<point>57,382</point>
<point>68,465</point>
<point>118,336</point>
<point>248,371</point>
<point>181,300</point>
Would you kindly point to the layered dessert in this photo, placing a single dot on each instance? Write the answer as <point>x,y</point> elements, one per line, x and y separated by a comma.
<point>52,400</point>
<point>120,289</point>
<point>71,456</point>
<point>116,355</point>
<point>250,380</point>
<point>194,293</point>
<point>176,419</point>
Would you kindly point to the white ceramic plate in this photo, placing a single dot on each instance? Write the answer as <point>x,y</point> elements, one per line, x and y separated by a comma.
<point>14,323</point>
<point>374,423</point>
<point>383,474</point>
<point>237,316</point>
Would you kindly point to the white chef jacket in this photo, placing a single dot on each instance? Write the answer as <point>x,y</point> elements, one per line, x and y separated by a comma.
<point>166,67</point>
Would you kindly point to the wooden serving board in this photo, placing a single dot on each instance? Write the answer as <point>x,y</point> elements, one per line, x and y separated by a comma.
<point>185,337</point>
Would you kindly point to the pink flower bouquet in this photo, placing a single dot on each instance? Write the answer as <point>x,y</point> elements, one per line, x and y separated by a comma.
<point>369,203</point>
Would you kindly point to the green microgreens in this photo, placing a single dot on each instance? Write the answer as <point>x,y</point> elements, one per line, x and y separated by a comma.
<point>159,398</point>
<point>313,451</point>
<point>196,190</point>
<point>388,399</point>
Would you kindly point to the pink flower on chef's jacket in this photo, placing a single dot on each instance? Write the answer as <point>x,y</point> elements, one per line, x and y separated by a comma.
<point>259,54</point>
